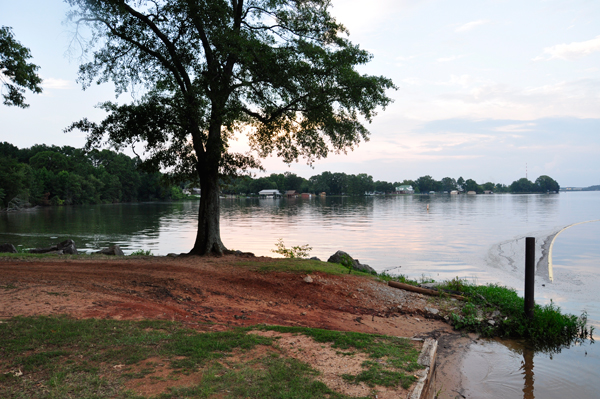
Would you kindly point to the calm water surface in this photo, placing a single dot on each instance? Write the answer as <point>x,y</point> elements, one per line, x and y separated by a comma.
<point>480,238</point>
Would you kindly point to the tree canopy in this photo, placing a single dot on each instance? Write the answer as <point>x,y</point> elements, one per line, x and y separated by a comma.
<point>16,74</point>
<point>51,175</point>
<point>282,72</point>
<point>546,183</point>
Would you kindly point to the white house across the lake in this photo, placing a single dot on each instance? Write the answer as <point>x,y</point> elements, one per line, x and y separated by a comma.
<point>269,193</point>
<point>405,189</point>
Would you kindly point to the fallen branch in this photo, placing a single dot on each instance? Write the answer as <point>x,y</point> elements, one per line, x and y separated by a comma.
<point>420,290</point>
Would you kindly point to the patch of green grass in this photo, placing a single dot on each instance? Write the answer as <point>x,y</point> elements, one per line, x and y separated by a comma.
<point>399,351</point>
<point>24,255</point>
<point>401,278</point>
<point>61,357</point>
<point>40,359</point>
<point>295,265</point>
<point>27,255</point>
<point>398,354</point>
<point>375,374</point>
<point>22,334</point>
<point>141,252</point>
<point>268,378</point>
<point>69,356</point>
<point>200,348</point>
<point>8,287</point>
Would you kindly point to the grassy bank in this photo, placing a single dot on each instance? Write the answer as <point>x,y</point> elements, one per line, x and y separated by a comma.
<point>491,310</point>
<point>49,357</point>
<point>495,310</point>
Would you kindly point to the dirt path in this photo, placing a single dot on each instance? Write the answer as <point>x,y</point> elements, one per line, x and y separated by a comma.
<point>200,290</point>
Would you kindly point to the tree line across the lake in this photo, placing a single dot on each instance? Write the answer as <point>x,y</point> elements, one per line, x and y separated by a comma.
<point>360,184</point>
<point>51,175</point>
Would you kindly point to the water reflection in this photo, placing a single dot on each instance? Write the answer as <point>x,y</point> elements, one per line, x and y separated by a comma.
<point>527,368</point>
<point>511,369</point>
<point>576,261</point>
<point>453,238</point>
<point>129,225</point>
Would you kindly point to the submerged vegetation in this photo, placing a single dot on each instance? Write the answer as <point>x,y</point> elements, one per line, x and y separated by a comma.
<point>494,310</point>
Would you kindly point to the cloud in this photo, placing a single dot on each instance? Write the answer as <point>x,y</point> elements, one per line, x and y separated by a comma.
<point>461,80</point>
<point>571,51</point>
<point>410,57</point>
<point>451,58</point>
<point>402,59</point>
<point>471,25</point>
<point>372,16</point>
<point>577,98</point>
<point>516,127</point>
<point>57,84</point>
<point>412,81</point>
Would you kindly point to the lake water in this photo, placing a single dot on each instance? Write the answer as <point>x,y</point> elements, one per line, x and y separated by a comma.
<point>480,238</point>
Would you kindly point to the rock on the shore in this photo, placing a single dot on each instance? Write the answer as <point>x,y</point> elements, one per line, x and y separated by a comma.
<point>68,247</point>
<point>64,247</point>
<point>241,254</point>
<point>432,311</point>
<point>114,250</point>
<point>340,256</point>
<point>4,248</point>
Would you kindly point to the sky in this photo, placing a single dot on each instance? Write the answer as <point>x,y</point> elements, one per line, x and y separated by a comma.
<point>490,90</point>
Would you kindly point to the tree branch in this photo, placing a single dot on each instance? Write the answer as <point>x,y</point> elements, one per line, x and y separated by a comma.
<point>170,47</point>
<point>208,53</point>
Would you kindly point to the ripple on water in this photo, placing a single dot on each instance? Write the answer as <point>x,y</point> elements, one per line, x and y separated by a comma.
<point>509,369</point>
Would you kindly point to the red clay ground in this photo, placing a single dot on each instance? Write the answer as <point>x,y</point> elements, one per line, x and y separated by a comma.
<point>199,290</point>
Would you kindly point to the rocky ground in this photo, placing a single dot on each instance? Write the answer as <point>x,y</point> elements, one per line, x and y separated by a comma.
<point>220,293</point>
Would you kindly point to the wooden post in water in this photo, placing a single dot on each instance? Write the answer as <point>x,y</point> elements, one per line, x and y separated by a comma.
<point>529,276</point>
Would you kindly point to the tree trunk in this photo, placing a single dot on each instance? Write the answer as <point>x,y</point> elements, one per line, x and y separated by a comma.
<point>208,237</point>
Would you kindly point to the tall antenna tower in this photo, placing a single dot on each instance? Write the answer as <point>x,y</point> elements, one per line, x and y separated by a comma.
<point>526,170</point>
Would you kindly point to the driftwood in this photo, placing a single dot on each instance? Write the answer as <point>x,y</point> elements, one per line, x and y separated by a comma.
<point>420,290</point>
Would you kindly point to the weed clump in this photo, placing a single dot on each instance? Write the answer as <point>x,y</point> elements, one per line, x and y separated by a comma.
<point>401,278</point>
<point>299,251</point>
<point>141,252</point>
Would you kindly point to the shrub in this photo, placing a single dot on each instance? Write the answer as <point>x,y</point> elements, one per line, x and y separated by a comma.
<point>548,330</point>
<point>293,252</point>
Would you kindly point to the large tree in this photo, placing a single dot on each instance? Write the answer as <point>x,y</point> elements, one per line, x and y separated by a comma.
<point>546,184</point>
<point>280,71</point>
<point>16,74</point>
<point>427,184</point>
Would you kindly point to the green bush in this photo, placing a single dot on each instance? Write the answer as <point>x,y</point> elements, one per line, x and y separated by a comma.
<point>293,252</point>
<point>56,201</point>
<point>549,329</point>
